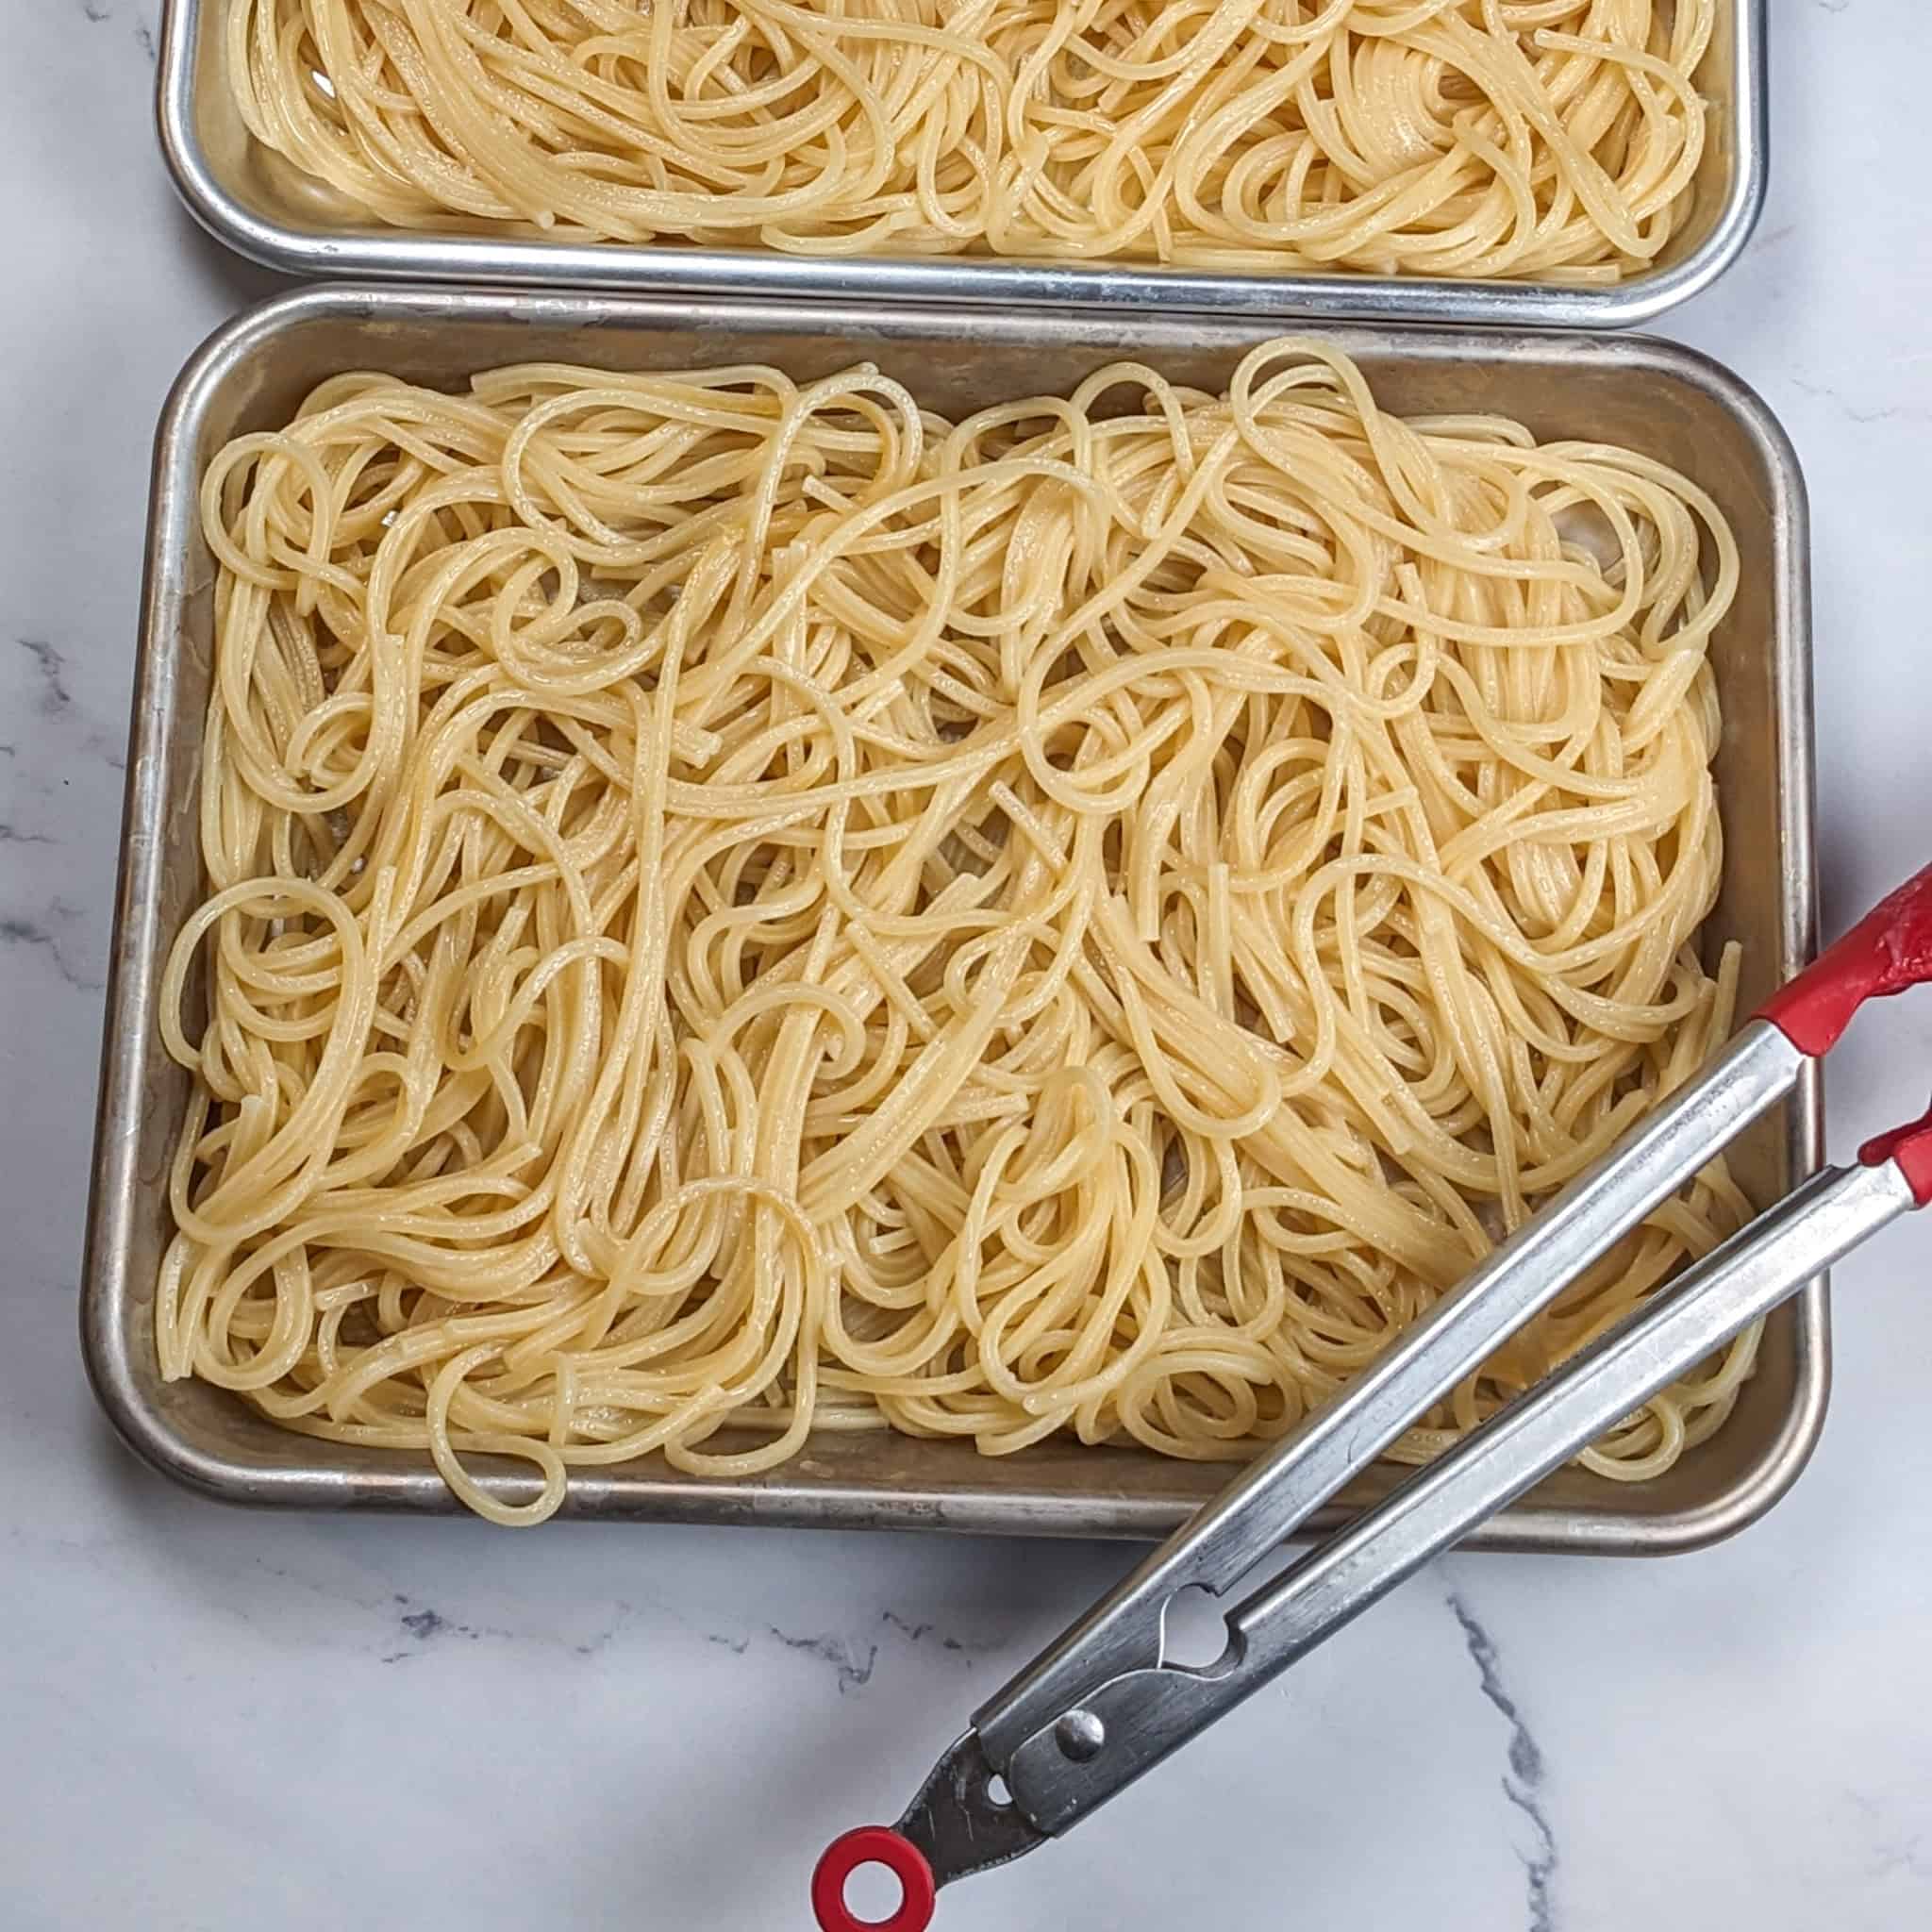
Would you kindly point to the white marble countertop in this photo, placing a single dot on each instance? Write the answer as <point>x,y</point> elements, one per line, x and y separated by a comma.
<point>218,1720</point>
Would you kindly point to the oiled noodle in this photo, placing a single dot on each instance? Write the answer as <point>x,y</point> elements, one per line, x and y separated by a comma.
<point>737,902</point>
<point>1549,139</point>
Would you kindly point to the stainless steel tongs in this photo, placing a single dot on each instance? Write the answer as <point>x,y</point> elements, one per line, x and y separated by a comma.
<point>1102,1705</point>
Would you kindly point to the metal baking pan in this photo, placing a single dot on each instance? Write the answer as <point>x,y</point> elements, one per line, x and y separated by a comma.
<point>262,207</point>
<point>1663,399</point>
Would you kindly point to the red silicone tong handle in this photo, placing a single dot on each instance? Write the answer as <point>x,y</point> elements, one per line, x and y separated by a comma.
<point>872,1844</point>
<point>1888,950</point>
<point>1911,1147</point>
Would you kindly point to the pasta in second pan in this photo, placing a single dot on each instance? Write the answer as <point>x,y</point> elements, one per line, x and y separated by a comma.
<point>737,906</point>
<point>1555,140</point>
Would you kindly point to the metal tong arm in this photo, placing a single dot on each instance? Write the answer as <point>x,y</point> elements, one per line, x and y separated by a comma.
<point>1887,951</point>
<point>1048,1732</point>
<point>1275,1496</point>
<point>1145,1714</point>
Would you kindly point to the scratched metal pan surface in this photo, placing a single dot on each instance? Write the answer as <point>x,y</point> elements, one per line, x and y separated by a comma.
<point>272,211</point>
<point>1654,395</point>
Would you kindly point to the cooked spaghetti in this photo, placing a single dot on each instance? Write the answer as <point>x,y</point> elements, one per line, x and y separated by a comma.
<point>1549,139</point>
<point>738,906</point>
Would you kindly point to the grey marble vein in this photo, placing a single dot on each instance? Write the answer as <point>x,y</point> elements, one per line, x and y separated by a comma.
<point>55,695</point>
<point>1893,1850</point>
<point>853,1672</point>
<point>55,699</point>
<point>1524,1781</point>
<point>424,1626</point>
<point>1863,412</point>
<point>918,1632</point>
<point>102,12</point>
<point>16,930</point>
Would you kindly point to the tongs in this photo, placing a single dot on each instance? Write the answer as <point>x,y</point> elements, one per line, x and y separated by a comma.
<point>1104,1703</point>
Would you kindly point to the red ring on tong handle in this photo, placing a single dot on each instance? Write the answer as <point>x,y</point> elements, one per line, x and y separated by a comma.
<point>1888,950</point>
<point>872,1844</point>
